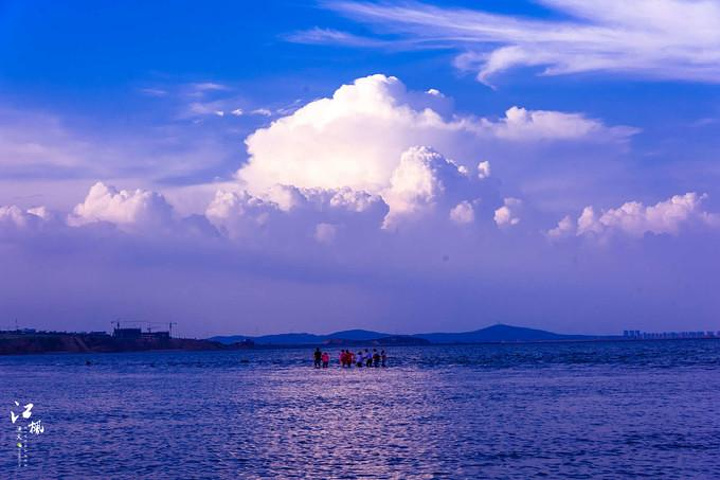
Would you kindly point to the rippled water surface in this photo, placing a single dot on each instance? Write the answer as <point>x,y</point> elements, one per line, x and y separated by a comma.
<point>569,410</point>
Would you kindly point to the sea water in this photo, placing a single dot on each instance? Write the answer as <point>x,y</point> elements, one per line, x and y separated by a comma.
<point>610,410</point>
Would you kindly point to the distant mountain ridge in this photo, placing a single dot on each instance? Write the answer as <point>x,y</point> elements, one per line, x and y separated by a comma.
<point>500,333</point>
<point>492,334</point>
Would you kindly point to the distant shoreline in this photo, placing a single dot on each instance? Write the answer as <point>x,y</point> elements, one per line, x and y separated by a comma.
<point>75,343</point>
<point>20,343</point>
<point>498,333</point>
<point>609,339</point>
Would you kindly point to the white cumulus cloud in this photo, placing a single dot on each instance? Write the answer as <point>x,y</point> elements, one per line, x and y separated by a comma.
<point>287,211</point>
<point>635,219</point>
<point>418,182</point>
<point>13,217</point>
<point>509,213</point>
<point>565,227</point>
<point>355,138</point>
<point>366,138</point>
<point>523,125</point>
<point>239,214</point>
<point>463,213</point>
<point>483,170</point>
<point>127,209</point>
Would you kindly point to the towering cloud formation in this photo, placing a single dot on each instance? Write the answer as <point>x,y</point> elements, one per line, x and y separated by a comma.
<point>406,147</point>
<point>416,185</point>
<point>353,139</point>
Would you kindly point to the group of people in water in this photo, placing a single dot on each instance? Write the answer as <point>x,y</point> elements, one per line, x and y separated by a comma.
<point>348,359</point>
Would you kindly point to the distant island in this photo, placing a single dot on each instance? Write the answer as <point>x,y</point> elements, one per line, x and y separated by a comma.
<point>499,333</point>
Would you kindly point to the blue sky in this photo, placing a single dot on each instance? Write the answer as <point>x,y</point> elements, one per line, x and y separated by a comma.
<point>210,151</point>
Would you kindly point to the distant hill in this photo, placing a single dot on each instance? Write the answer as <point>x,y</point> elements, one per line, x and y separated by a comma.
<point>289,339</point>
<point>381,341</point>
<point>492,334</point>
<point>357,335</point>
<point>230,339</point>
<point>499,333</point>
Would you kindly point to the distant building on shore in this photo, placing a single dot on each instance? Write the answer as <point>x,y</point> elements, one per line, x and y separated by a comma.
<point>639,335</point>
<point>129,333</point>
<point>137,333</point>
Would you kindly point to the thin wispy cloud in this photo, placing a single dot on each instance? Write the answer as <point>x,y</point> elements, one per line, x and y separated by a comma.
<point>154,92</point>
<point>202,100</point>
<point>321,36</point>
<point>657,39</point>
<point>201,88</point>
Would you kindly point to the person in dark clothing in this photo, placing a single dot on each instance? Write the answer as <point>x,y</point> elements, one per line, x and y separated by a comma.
<point>318,357</point>
<point>368,358</point>
<point>376,358</point>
